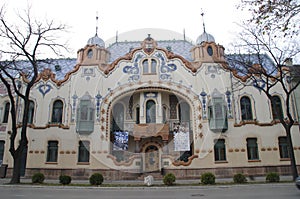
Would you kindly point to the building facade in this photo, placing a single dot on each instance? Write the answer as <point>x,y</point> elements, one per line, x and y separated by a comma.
<point>149,106</point>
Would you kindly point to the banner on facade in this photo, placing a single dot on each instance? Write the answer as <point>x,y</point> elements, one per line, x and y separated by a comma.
<point>120,141</point>
<point>182,138</point>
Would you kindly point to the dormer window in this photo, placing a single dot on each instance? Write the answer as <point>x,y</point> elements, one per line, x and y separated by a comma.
<point>210,51</point>
<point>90,53</point>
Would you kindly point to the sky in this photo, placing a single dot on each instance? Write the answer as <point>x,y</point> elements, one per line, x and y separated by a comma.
<point>220,17</point>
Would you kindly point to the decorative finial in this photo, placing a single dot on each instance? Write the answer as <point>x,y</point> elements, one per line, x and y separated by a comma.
<point>184,34</point>
<point>202,14</point>
<point>97,23</point>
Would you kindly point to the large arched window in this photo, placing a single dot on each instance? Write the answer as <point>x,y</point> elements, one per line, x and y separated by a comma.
<point>184,112</point>
<point>276,108</point>
<point>6,112</point>
<point>57,111</point>
<point>150,112</point>
<point>118,117</point>
<point>246,109</point>
<point>30,112</point>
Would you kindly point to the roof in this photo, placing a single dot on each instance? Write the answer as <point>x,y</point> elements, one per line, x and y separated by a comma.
<point>179,47</point>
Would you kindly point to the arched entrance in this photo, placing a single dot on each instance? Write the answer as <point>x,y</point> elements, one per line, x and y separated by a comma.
<point>151,158</point>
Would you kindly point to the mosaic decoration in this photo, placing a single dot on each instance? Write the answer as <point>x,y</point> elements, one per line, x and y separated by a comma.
<point>228,94</point>
<point>165,68</point>
<point>44,88</point>
<point>120,141</point>
<point>74,97</point>
<point>203,95</point>
<point>134,70</point>
<point>182,137</point>
<point>98,100</point>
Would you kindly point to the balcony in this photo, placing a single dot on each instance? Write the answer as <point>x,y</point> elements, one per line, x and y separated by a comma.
<point>150,130</point>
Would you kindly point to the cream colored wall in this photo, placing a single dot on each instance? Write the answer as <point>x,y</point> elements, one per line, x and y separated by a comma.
<point>189,85</point>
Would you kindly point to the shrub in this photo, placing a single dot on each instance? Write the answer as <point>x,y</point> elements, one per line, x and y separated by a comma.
<point>38,178</point>
<point>65,179</point>
<point>239,178</point>
<point>96,179</point>
<point>169,179</point>
<point>208,178</point>
<point>272,177</point>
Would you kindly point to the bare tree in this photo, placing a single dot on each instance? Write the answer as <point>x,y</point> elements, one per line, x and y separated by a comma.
<point>22,43</point>
<point>282,15</point>
<point>260,60</point>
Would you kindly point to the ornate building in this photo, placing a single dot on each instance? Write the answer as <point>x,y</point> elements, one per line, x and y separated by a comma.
<point>149,106</point>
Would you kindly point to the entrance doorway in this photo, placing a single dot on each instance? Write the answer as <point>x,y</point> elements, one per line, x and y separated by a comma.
<point>152,160</point>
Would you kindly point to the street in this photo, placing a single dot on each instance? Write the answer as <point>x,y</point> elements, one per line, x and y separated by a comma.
<point>265,191</point>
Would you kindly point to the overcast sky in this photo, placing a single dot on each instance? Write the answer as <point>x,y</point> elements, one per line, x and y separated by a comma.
<point>220,17</point>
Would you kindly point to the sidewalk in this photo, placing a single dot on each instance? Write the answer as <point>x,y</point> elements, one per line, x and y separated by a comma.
<point>4,181</point>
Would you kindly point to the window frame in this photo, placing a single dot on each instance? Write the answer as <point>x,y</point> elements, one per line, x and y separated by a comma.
<point>31,110</point>
<point>283,148</point>
<point>83,151</point>
<point>54,118</point>
<point>150,112</point>
<point>220,150</point>
<point>2,150</point>
<point>274,107</point>
<point>6,112</point>
<point>52,151</point>
<point>246,107</point>
<point>85,125</point>
<point>252,149</point>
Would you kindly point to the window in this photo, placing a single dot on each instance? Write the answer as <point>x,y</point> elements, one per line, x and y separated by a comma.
<point>220,150</point>
<point>84,151</point>
<point>276,108</point>
<point>246,109</point>
<point>90,53</point>
<point>118,117</point>
<point>252,149</point>
<point>149,70</point>
<point>2,143</point>
<point>6,112</point>
<point>52,151</point>
<point>217,113</point>
<point>210,51</point>
<point>145,66</point>
<point>137,115</point>
<point>184,112</point>
<point>150,112</point>
<point>85,115</point>
<point>153,65</point>
<point>283,147</point>
<point>57,111</point>
<point>30,112</point>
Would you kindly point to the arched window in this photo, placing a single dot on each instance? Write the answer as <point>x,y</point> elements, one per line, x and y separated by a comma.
<point>57,111</point>
<point>30,112</point>
<point>153,65</point>
<point>276,108</point>
<point>6,112</point>
<point>118,117</point>
<point>246,109</point>
<point>145,66</point>
<point>150,112</point>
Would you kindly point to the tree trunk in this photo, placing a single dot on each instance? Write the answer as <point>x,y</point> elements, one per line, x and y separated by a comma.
<point>291,153</point>
<point>17,167</point>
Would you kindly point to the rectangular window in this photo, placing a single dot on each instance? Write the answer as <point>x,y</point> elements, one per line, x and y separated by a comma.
<point>84,151</point>
<point>220,150</point>
<point>252,149</point>
<point>52,151</point>
<point>283,147</point>
<point>2,143</point>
